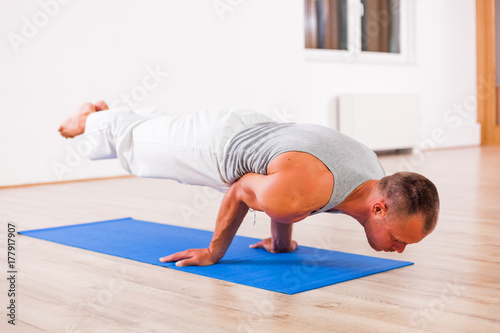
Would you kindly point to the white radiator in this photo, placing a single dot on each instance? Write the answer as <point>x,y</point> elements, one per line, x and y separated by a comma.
<point>380,121</point>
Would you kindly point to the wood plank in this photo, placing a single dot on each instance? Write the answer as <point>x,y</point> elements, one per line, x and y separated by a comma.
<point>453,286</point>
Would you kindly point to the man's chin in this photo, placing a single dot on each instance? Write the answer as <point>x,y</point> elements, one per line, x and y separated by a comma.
<point>385,250</point>
<point>379,249</point>
<point>373,246</point>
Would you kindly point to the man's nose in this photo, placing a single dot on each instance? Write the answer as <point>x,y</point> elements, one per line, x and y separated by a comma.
<point>399,247</point>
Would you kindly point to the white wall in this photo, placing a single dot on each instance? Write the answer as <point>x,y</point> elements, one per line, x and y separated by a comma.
<point>251,56</point>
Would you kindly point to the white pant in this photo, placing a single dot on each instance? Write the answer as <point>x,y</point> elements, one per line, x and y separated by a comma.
<point>149,143</point>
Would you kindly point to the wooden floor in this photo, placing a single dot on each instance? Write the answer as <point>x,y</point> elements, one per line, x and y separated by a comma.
<point>454,285</point>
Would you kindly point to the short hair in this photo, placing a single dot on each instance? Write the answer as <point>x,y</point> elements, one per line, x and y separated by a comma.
<point>409,193</point>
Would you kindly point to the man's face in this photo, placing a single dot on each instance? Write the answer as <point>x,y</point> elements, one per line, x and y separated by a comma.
<point>388,235</point>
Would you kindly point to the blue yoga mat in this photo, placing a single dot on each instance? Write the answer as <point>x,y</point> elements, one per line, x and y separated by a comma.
<point>304,269</point>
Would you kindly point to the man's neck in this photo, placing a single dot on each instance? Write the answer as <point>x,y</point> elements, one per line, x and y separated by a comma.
<point>357,204</point>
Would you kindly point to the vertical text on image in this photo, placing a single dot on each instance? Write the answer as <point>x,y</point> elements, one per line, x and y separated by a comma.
<point>11,273</point>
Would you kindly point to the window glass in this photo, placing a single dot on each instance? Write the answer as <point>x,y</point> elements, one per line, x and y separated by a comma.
<point>326,24</point>
<point>380,26</point>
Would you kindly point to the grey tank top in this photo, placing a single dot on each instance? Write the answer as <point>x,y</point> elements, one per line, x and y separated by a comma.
<point>350,162</point>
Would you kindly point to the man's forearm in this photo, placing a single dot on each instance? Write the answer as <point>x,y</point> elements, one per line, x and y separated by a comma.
<point>281,234</point>
<point>231,213</point>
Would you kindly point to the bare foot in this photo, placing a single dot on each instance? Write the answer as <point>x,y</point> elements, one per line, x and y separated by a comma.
<point>75,125</point>
<point>101,105</point>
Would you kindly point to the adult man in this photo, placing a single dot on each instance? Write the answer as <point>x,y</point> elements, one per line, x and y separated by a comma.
<point>288,171</point>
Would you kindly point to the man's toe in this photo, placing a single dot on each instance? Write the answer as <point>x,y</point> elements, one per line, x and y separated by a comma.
<point>101,105</point>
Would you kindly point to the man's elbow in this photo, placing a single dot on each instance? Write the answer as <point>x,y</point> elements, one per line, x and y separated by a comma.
<point>241,194</point>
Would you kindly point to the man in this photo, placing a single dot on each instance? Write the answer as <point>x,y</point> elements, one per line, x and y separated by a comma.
<point>288,171</point>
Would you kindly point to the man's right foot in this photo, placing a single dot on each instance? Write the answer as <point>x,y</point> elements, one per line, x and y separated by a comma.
<point>75,124</point>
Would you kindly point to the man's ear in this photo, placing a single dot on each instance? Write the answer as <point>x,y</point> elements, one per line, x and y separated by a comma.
<point>379,209</point>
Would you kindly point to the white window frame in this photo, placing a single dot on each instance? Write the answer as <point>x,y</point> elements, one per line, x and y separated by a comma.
<point>354,52</point>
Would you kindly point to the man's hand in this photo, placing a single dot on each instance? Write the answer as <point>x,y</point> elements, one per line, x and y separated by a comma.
<point>281,240</point>
<point>270,247</point>
<point>192,257</point>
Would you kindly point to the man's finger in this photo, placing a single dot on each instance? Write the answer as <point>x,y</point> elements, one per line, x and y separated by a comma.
<point>186,262</point>
<point>257,245</point>
<point>175,257</point>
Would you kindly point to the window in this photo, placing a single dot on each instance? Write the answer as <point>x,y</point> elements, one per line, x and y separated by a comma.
<point>358,29</point>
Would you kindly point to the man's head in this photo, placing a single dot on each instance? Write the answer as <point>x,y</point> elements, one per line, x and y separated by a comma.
<point>403,210</point>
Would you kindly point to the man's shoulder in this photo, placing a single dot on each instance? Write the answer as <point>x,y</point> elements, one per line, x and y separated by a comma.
<point>305,175</point>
